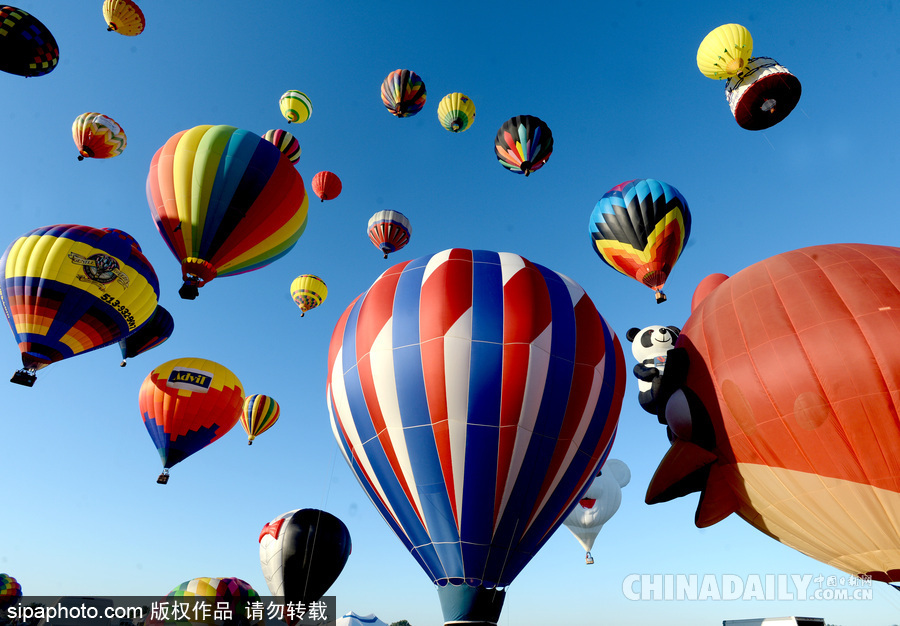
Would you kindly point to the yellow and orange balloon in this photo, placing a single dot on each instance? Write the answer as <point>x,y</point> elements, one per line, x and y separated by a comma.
<point>98,136</point>
<point>259,414</point>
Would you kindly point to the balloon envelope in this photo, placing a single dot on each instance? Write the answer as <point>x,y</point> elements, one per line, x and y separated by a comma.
<point>124,17</point>
<point>258,415</point>
<point>403,93</point>
<point>154,332</point>
<point>187,404</point>
<point>98,136</point>
<point>27,47</point>
<point>296,107</point>
<point>464,365</point>
<point>326,185</point>
<point>456,112</point>
<point>789,363</point>
<point>763,94</point>
<point>523,144</point>
<point>68,289</point>
<point>725,51</point>
<point>308,291</point>
<point>226,202</point>
<point>639,228</point>
<point>389,231</point>
<point>599,503</point>
<point>208,601</point>
<point>285,142</point>
<point>10,591</point>
<point>302,552</point>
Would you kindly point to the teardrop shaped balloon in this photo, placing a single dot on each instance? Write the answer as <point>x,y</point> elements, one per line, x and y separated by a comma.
<point>326,185</point>
<point>474,395</point>
<point>27,47</point>
<point>187,404</point>
<point>285,142</point>
<point>308,291</point>
<point>225,202</point>
<point>523,144</point>
<point>302,553</point>
<point>725,51</point>
<point>403,93</point>
<point>456,112</point>
<point>98,136</point>
<point>68,289</point>
<point>258,415</point>
<point>152,333</point>
<point>296,107</point>
<point>640,228</point>
<point>389,231</point>
<point>124,17</point>
<point>763,94</point>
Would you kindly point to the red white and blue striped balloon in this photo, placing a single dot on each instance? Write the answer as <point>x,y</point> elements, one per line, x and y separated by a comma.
<point>474,394</point>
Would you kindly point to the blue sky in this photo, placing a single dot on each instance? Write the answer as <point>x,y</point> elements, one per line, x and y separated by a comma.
<point>619,87</point>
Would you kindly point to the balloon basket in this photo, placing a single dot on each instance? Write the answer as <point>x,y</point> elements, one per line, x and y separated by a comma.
<point>588,559</point>
<point>660,297</point>
<point>163,478</point>
<point>188,292</point>
<point>471,606</point>
<point>23,377</point>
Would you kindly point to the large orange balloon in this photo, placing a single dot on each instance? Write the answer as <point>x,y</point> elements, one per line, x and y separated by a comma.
<point>783,397</point>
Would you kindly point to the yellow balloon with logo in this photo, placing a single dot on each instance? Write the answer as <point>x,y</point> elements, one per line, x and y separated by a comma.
<point>725,51</point>
<point>68,289</point>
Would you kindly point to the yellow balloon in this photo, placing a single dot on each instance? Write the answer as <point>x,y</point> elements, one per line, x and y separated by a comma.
<point>724,52</point>
<point>295,106</point>
<point>124,17</point>
<point>308,291</point>
<point>456,112</point>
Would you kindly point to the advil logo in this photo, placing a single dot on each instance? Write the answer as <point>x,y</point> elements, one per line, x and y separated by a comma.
<point>190,379</point>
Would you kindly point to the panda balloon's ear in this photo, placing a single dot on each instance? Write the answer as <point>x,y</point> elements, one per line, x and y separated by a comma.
<point>632,333</point>
<point>674,329</point>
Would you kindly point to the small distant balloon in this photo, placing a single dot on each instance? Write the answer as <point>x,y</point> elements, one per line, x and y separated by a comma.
<point>326,185</point>
<point>725,51</point>
<point>259,414</point>
<point>403,93</point>
<point>10,591</point>
<point>389,231</point>
<point>27,47</point>
<point>124,17</point>
<point>456,112</point>
<point>308,291</point>
<point>296,106</point>
<point>523,144</point>
<point>98,136</point>
<point>285,142</point>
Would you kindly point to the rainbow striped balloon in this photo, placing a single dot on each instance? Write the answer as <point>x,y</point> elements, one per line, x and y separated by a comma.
<point>403,93</point>
<point>98,136</point>
<point>259,415</point>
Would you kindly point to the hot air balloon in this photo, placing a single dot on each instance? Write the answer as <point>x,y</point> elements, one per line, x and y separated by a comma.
<point>389,231</point>
<point>301,553</point>
<point>98,136</point>
<point>68,289</point>
<point>763,94</point>
<point>151,334</point>
<point>326,185</point>
<point>474,394</point>
<point>403,93</point>
<point>523,144</point>
<point>725,51</point>
<point>639,228</point>
<point>456,112</point>
<point>10,591</point>
<point>187,404</point>
<point>209,601</point>
<point>124,17</point>
<point>599,503</point>
<point>296,107</point>
<point>308,291</point>
<point>783,395</point>
<point>27,47</point>
<point>225,202</point>
<point>285,142</point>
<point>259,414</point>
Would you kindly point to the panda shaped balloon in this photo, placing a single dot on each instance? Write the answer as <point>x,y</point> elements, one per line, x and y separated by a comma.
<point>649,346</point>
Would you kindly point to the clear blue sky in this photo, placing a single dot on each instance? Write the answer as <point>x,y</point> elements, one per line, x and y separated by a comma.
<point>619,87</point>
